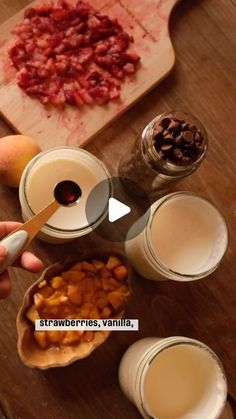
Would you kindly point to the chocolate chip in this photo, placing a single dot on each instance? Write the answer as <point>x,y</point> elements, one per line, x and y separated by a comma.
<point>179,116</point>
<point>157,129</point>
<point>186,160</point>
<point>199,147</point>
<point>177,153</point>
<point>174,126</point>
<point>198,137</point>
<point>178,140</point>
<point>166,147</point>
<point>193,128</point>
<point>188,136</point>
<point>168,137</point>
<point>185,126</point>
<point>165,122</point>
<point>158,136</point>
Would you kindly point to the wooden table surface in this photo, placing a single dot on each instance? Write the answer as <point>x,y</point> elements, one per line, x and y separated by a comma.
<point>203,82</point>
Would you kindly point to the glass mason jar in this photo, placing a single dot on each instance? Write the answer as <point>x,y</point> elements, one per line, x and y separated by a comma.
<point>184,239</point>
<point>39,179</point>
<point>171,146</point>
<point>186,373</point>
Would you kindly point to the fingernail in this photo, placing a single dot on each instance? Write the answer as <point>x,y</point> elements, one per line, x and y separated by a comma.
<point>3,252</point>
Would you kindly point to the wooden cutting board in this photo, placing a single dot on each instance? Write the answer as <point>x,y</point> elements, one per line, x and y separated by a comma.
<point>147,21</point>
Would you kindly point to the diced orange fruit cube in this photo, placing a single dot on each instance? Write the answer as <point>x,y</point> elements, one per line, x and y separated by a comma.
<point>54,336</point>
<point>77,267</point>
<point>41,338</point>
<point>121,272</point>
<point>38,300</point>
<point>108,285</point>
<point>87,297</point>
<point>85,310</point>
<point>42,283</point>
<point>73,276</point>
<point>106,312</point>
<point>88,267</point>
<point>94,313</point>
<point>74,294</point>
<point>104,272</point>
<point>98,263</point>
<point>56,301</point>
<point>101,303</point>
<point>113,262</point>
<point>88,336</point>
<point>46,291</point>
<point>116,299</point>
<point>32,314</point>
<point>57,282</point>
<point>71,337</point>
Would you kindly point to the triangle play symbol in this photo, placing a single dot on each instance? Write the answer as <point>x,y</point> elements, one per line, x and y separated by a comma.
<point>117,209</point>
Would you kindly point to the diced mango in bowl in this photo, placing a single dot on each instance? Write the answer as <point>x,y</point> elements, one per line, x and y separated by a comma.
<point>90,289</point>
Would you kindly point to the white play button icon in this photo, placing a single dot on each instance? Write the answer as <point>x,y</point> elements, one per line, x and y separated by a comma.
<point>117,209</point>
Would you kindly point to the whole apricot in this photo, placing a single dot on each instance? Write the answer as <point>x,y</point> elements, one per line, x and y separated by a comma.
<point>15,152</point>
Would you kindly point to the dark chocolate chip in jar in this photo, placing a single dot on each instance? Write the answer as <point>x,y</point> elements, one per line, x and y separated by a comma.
<point>188,136</point>
<point>165,122</point>
<point>166,147</point>
<point>179,116</point>
<point>177,154</point>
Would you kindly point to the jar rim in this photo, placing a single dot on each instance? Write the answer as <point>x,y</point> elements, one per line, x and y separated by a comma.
<point>56,231</point>
<point>148,240</point>
<point>171,342</point>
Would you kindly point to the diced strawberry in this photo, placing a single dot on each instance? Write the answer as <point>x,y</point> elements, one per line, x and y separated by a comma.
<point>86,97</point>
<point>100,94</point>
<point>123,41</point>
<point>114,93</point>
<point>84,55</point>
<point>59,14</point>
<point>131,57</point>
<point>129,68</point>
<point>30,12</point>
<point>58,99</point>
<point>117,72</point>
<point>58,48</point>
<point>43,10</point>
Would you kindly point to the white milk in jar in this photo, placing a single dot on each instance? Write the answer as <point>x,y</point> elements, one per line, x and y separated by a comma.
<point>184,239</point>
<point>173,378</point>
<point>41,176</point>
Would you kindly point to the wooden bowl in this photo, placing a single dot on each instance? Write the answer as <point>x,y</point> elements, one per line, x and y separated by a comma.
<point>30,352</point>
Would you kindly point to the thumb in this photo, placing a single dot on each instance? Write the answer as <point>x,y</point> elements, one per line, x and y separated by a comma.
<point>3,253</point>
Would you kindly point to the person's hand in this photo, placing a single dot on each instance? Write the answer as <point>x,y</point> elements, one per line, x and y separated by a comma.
<point>26,261</point>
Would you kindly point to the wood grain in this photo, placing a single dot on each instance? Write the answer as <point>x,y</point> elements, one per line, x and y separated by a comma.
<point>146,21</point>
<point>203,81</point>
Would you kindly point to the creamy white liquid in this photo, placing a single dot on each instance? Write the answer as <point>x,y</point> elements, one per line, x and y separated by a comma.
<point>183,234</point>
<point>43,179</point>
<point>183,382</point>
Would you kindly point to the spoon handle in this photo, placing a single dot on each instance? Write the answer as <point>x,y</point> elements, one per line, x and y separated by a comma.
<point>17,241</point>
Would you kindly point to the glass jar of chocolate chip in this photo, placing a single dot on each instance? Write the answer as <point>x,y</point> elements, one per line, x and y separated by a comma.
<point>170,147</point>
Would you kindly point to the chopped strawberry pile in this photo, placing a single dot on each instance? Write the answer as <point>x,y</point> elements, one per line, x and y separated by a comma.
<point>71,54</point>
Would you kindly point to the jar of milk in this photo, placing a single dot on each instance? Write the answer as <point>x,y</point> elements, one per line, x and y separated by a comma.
<point>184,239</point>
<point>171,146</point>
<point>174,377</point>
<point>38,182</point>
